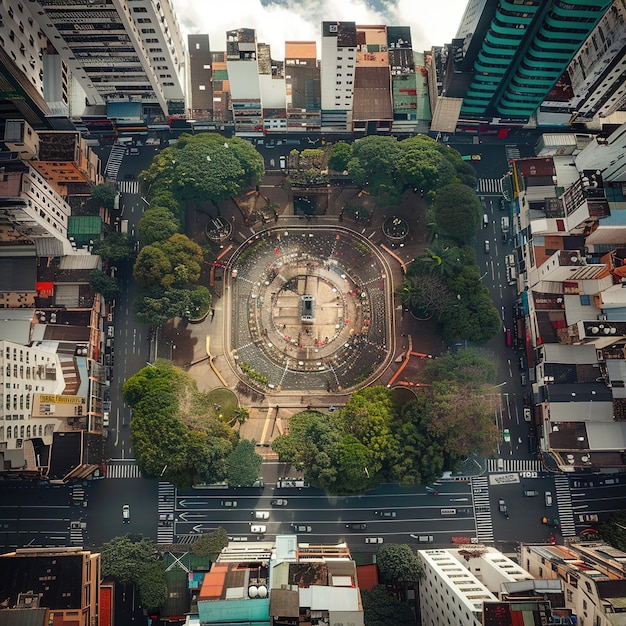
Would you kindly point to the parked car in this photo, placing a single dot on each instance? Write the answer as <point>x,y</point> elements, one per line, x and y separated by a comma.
<point>259,530</point>
<point>229,504</point>
<point>527,414</point>
<point>105,419</point>
<point>301,528</point>
<point>385,513</point>
<point>374,540</point>
<point>126,514</point>
<point>358,526</point>
<point>279,502</point>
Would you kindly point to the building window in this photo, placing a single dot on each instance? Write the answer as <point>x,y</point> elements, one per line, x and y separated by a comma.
<point>140,10</point>
<point>9,432</point>
<point>585,300</point>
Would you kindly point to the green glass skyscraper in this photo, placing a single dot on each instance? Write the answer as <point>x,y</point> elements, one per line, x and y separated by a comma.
<point>521,54</point>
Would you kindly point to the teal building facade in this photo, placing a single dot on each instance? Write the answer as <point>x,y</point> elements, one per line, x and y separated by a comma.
<point>523,52</point>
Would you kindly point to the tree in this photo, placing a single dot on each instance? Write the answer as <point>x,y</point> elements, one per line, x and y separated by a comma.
<point>426,295</point>
<point>243,464</point>
<point>469,366</point>
<point>374,163</point>
<point>157,224</point>
<point>340,155</point>
<point>457,211</point>
<point>116,247</point>
<point>209,544</point>
<point>440,258</point>
<point>152,265</point>
<point>472,316</point>
<point>613,531</point>
<point>174,432</point>
<point>380,608</point>
<point>104,284</point>
<point>134,560</point>
<point>240,415</point>
<point>102,196</point>
<point>204,167</point>
<point>399,562</point>
<point>156,305</point>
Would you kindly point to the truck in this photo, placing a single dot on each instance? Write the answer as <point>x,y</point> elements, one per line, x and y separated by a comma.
<point>505,224</point>
<point>124,227</point>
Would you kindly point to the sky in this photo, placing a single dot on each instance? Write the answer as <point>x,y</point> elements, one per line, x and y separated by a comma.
<point>432,22</point>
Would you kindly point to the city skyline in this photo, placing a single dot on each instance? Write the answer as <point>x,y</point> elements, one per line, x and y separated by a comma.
<point>295,20</point>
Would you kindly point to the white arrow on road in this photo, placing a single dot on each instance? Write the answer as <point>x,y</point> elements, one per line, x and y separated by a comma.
<point>186,515</point>
<point>198,528</point>
<point>183,503</point>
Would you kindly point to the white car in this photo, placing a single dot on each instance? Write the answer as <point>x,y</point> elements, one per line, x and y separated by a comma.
<point>126,513</point>
<point>229,504</point>
<point>259,530</point>
<point>374,540</point>
<point>105,419</point>
<point>261,514</point>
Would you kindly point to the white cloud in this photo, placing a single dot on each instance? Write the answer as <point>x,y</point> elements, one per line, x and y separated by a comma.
<point>432,22</point>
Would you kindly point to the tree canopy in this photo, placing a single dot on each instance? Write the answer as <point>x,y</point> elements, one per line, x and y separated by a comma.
<point>116,247</point>
<point>243,465</point>
<point>135,560</point>
<point>340,155</point>
<point>175,432</point>
<point>380,608</point>
<point>104,284</point>
<point>210,544</point>
<point>457,211</point>
<point>613,531</point>
<point>204,167</point>
<point>399,562</point>
<point>372,440</point>
<point>157,224</point>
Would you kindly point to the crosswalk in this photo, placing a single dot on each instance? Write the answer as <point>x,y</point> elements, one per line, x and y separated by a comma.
<point>513,465</point>
<point>128,186</point>
<point>167,500</point>
<point>123,469</point>
<point>489,185</point>
<point>115,160</point>
<point>564,506</point>
<point>484,523</point>
<point>512,153</point>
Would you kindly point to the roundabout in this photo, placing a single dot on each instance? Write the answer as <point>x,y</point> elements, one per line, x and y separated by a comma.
<point>310,310</point>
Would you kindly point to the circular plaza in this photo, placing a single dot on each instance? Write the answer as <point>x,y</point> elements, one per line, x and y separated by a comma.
<point>310,310</point>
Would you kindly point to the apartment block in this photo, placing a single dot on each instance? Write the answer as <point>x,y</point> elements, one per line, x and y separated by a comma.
<point>302,86</point>
<point>200,78</point>
<point>50,586</point>
<point>120,51</point>
<point>468,577</point>
<point>592,575</point>
<point>282,583</point>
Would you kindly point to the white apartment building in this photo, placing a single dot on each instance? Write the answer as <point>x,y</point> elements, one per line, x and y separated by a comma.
<point>119,50</point>
<point>457,581</point>
<point>339,44</point>
<point>35,210</point>
<point>596,75</point>
<point>592,576</point>
<point>607,155</point>
<point>24,372</point>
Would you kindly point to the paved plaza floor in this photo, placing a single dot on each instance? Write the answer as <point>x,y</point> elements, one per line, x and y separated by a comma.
<point>359,335</point>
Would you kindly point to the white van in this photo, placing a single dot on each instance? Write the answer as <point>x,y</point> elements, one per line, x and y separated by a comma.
<point>511,275</point>
<point>485,220</point>
<point>260,530</point>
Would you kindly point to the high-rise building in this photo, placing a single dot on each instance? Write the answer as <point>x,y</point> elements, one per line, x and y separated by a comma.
<point>200,78</point>
<point>50,586</point>
<point>339,43</point>
<point>119,51</point>
<point>594,86</point>
<point>303,86</point>
<point>509,56</point>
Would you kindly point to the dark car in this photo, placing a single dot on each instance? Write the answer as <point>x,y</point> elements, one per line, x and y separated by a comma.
<point>356,526</point>
<point>385,513</point>
<point>301,528</point>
